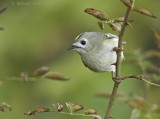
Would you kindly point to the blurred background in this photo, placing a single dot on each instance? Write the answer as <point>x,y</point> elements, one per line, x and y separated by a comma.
<point>37,33</point>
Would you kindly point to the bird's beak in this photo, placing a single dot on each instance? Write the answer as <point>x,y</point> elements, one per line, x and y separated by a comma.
<point>73,47</point>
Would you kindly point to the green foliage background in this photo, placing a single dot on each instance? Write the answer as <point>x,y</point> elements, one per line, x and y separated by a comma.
<point>37,33</point>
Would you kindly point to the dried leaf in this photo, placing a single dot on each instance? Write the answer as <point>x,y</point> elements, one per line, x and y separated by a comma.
<point>101,25</point>
<point>128,3</point>
<point>96,13</point>
<point>141,76</point>
<point>108,95</point>
<point>43,109</point>
<point>89,111</point>
<point>145,12</point>
<point>153,53</point>
<point>24,76</point>
<point>1,108</point>
<point>3,9</point>
<point>116,26</point>
<point>121,19</point>
<point>58,106</point>
<point>138,103</point>
<point>157,36</point>
<point>7,106</point>
<point>30,113</point>
<point>41,71</point>
<point>55,76</point>
<point>1,28</point>
<point>77,108</point>
<point>70,106</point>
<point>96,117</point>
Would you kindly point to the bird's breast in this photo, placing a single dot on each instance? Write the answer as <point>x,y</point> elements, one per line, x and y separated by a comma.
<point>99,61</point>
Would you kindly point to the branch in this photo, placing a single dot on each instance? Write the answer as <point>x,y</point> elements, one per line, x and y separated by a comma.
<point>118,66</point>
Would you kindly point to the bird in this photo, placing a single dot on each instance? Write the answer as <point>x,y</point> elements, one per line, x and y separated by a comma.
<point>96,50</point>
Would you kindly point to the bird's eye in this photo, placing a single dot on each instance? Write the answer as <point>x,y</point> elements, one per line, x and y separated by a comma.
<point>83,42</point>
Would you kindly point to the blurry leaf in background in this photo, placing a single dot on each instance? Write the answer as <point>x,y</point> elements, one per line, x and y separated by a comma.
<point>108,95</point>
<point>55,76</point>
<point>3,9</point>
<point>138,102</point>
<point>157,36</point>
<point>41,71</point>
<point>5,105</point>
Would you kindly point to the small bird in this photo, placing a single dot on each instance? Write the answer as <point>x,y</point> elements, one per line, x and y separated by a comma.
<point>96,50</point>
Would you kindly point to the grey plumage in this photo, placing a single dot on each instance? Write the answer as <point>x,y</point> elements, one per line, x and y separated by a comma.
<point>96,50</point>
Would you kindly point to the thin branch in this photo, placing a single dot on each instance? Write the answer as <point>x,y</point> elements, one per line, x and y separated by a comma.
<point>118,66</point>
<point>140,78</point>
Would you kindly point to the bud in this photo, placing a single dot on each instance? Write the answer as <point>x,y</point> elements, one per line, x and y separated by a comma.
<point>89,111</point>
<point>30,113</point>
<point>41,71</point>
<point>58,106</point>
<point>43,109</point>
<point>55,76</point>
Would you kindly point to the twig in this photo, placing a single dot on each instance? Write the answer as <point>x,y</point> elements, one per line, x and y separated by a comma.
<point>140,78</point>
<point>118,66</point>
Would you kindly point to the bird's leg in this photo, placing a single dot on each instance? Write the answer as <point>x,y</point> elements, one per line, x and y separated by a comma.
<point>112,74</point>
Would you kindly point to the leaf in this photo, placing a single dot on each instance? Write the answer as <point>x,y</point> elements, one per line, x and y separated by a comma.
<point>43,109</point>
<point>116,26</point>
<point>153,53</point>
<point>137,103</point>
<point>77,108</point>
<point>1,28</point>
<point>127,3</point>
<point>121,19</point>
<point>3,9</point>
<point>101,25</point>
<point>89,111</point>
<point>96,117</point>
<point>157,36</point>
<point>108,95</point>
<point>1,108</point>
<point>24,76</point>
<point>30,113</point>
<point>70,106</point>
<point>55,76</point>
<point>58,106</point>
<point>7,106</point>
<point>41,71</point>
<point>145,12</point>
<point>96,13</point>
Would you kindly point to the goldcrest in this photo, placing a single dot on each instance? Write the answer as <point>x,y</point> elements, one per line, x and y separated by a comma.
<point>96,50</point>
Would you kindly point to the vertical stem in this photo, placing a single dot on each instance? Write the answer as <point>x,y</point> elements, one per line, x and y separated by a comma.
<point>118,66</point>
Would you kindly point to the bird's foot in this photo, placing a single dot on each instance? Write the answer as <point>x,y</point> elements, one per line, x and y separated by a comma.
<point>117,80</point>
